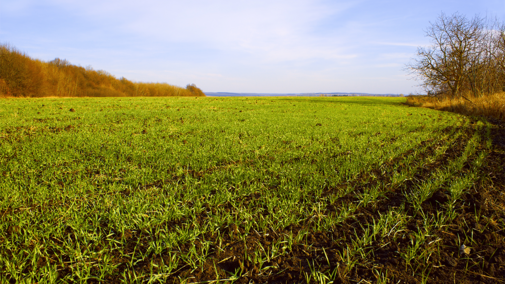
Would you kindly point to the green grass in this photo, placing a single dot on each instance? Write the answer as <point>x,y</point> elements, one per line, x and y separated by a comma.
<point>157,189</point>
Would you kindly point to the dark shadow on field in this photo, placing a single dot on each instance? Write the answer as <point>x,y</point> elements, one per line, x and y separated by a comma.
<point>366,101</point>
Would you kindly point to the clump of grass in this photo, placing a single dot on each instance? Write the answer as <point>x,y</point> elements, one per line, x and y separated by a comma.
<point>488,106</point>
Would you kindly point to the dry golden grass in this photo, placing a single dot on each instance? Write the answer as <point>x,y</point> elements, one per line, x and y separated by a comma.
<point>492,106</point>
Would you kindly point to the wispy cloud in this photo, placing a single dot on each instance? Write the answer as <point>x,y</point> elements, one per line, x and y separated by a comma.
<point>408,44</point>
<point>388,65</point>
<point>395,56</point>
<point>267,30</point>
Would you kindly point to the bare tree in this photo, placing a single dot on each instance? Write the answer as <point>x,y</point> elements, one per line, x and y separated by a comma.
<point>499,44</point>
<point>457,45</point>
<point>498,52</point>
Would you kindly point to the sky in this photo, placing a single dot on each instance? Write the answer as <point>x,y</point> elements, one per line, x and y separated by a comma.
<point>254,46</point>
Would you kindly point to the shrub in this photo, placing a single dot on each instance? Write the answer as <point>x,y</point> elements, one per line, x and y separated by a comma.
<point>195,90</point>
<point>4,89</point>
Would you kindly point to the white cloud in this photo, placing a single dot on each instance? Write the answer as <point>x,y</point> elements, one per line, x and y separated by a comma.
<point>388,65</point>
<point>396,56</point>
<point>407,44</point>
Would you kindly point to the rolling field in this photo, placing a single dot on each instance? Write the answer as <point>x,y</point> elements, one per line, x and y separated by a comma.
<point>247,190</point>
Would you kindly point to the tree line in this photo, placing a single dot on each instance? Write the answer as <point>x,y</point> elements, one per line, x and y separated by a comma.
<point>22,76</point>
<point>466,57</point>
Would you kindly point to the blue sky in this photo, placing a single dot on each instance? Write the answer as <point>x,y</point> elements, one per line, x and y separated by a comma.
<point>236,45</point>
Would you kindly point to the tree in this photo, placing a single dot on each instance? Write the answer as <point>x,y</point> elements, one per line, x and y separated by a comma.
<point>466,55</point>
<point>498,51</point>
<point>20,75</point>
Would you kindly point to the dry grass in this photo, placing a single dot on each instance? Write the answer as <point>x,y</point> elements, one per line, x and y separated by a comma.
<point>492,106</point>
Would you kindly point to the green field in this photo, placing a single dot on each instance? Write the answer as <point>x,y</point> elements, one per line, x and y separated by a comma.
<point>251,190</point>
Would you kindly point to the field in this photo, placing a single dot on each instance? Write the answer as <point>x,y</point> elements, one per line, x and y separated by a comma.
<point>248,190</point>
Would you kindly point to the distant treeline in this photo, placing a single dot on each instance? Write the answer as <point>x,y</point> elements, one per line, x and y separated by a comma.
<point>22,76</point>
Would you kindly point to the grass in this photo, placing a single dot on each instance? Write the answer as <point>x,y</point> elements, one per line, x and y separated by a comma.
<point>184,190</point>
<point>491,106</point>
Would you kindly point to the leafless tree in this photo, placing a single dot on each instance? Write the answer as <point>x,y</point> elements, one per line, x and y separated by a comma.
<point>466,55</point>
<point>498,51</point>
<point>499,45</point>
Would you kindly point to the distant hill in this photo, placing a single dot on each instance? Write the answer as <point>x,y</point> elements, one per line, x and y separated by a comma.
<point>335,94</point>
